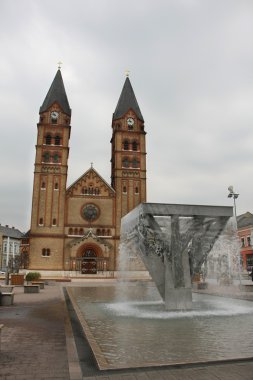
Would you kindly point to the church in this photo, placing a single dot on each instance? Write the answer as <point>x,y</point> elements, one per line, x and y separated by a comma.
<point>77,228</point>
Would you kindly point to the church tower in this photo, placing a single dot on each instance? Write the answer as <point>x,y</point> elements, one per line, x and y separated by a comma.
<point>128,160</point>
<point>50,177</point>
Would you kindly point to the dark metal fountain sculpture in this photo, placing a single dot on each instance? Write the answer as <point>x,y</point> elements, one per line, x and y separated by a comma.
<point>173,241</point>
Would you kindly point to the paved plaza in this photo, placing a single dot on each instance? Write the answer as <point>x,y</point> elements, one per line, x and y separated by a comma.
<point>41,339</point>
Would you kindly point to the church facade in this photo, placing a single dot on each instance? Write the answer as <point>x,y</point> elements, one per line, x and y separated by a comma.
<point>77,228</point>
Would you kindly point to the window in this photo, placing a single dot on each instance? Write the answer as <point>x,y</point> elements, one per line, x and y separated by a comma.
<point>242,242</point>
<point>135,163</point>
<point>41,222</point>
<point>45,252</point>
<point>56,186</point>
<point>46,157</point>
<point>76,231</point>
<point>57,140</point>
<point>54,222</point>
<point>135,145</point>
<point>125,145</point>
<point>81,232</point>
<point>125,162</point>
<point>136,190</point>
<point>248,241</point>
<point>108,232</point>
<point>124,189</point>
<point>71,231</point>
<point>43,185</point>
<point>48,139</point>
<point>98,232</point>
<point>56,157</point>
<point>5,247</point>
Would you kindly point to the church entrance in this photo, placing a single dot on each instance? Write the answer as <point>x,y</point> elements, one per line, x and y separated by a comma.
<point>89,262</point>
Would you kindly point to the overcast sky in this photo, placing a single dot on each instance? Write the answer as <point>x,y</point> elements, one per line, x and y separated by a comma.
<point>191,67</point>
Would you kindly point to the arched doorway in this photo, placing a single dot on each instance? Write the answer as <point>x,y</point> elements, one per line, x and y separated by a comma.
<point>89,262</point>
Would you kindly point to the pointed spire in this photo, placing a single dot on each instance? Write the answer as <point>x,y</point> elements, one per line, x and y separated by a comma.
<point>57,94</point>
<point>126,101</point>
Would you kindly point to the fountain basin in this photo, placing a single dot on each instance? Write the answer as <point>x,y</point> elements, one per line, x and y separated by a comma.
<point>140,333</point>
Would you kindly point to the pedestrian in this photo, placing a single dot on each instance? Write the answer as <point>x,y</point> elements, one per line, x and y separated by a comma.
<point>251,274</point>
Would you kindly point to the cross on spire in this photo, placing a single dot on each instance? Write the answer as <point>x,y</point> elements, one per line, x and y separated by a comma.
<point>59,65</point>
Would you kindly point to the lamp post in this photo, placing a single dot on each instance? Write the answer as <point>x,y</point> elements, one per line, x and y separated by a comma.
<point>234,195</point>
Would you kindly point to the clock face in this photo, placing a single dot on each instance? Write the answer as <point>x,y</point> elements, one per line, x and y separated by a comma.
<point>54,115</point>
<point>130,121</point>
<point>90,212</point>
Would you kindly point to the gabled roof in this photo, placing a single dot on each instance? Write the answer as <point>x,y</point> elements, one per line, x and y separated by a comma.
<point>57,94</point>
<point>87,235</point>
<point>90,170</point>
<point>10,232</point>
<point>127,100</point>
<point>245,220</point>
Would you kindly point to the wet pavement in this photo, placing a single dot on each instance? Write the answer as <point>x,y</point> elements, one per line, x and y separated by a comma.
<point>41,339</point>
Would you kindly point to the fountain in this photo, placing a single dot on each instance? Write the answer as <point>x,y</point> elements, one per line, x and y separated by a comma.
<point>132,324</point>
<point>173,241</point>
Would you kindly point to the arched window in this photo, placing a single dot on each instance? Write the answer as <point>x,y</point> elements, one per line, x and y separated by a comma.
<point>108,232</point>
<point>56,157</point>
<point>41,222</point>
<point>54,222</point>
<point>46,157</point>
<point>56,186</point>
<point>124,189</point>
<point>135,145</point>
<point>48,139</point>
<point>126,145</point>
<point>81,231</point>
<point>135,163</point>
<point>43,185</point>
<point>76,231</point>
<point>103,232</point>
<point>98,232</point>
<point>97,191</point>
<point>125,162</point>
<point>71,231</point>
<point>136,190</point>
<point>57,140</point>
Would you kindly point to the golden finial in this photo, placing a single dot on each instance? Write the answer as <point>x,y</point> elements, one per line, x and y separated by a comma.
<point>59,65</point>
<point>127,73</point>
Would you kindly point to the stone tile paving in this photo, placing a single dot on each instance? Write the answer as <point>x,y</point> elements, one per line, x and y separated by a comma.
<point>33,338</point>
<point>34,347</point>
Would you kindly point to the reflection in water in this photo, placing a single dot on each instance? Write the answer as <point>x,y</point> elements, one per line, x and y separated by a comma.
<point>139,333</point>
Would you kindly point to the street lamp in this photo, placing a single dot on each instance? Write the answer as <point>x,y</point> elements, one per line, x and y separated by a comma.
<point>234,195</point>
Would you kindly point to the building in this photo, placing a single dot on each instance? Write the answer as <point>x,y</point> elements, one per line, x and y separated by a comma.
<point>77,228</point>
<point>10,239</point>
<point>245,233</point>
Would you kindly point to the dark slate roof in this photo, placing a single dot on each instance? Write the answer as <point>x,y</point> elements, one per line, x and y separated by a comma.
<point>126,101</point>
<point>11,232</point>
<point>245,220</point>
<point>57,94</point>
